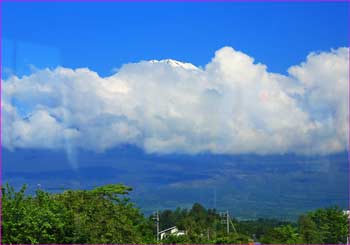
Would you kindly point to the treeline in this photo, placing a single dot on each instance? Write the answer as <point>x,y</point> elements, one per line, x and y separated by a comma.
<point>102,215</point>
<point>327,226</point>
<point>106,215</point>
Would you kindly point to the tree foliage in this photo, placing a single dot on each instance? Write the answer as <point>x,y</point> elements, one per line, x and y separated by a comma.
<point>101,215</point>
<point>106,215</point>
<point>323,226</point>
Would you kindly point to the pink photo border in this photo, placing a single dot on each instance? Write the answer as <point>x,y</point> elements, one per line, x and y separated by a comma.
<point>222,1</point>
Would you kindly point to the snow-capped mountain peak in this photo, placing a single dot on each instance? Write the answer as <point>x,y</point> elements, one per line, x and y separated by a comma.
<point>175,63</point>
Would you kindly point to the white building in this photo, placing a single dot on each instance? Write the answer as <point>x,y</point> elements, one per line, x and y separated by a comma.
<point>173,231</point>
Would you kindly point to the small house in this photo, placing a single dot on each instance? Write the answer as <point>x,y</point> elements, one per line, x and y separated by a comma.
<point>173,231</point>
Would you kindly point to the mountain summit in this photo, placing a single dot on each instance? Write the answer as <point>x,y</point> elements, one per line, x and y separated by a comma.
<point>175,63</point>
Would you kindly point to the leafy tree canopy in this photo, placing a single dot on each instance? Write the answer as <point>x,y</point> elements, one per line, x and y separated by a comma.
<point>106,215</point>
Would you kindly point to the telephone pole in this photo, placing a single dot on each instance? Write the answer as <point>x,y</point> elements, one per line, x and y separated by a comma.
<point>226,219</point>
<point>156,219</point>
<point>227,223</point>
<point>215,198</point>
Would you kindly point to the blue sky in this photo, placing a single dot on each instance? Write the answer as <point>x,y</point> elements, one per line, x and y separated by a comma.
<point>103,36</point>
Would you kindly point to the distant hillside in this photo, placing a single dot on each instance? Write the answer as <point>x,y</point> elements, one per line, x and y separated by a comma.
<point>250,186</point>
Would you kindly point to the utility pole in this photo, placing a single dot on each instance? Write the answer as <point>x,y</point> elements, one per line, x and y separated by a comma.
<point>226,219</point>
<point>156,219</point>
<point>215,198</point>
<point>227,222</point>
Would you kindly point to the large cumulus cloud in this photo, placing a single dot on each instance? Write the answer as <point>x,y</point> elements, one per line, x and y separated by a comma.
<point>232,105</point>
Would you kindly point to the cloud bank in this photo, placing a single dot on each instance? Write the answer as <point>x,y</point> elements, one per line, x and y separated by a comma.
<point>232,105</point>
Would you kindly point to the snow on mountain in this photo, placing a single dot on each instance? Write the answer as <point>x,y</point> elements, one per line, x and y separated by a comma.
<point>175,63</point>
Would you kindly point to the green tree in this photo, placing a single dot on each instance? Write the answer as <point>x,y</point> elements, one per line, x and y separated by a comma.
<point>172,239</point>
<point>259,227</point>
<point>332,224</point>
<point>41,219</point>
<point>102,215</point>
<point>308,230</point>
<point>232,238</point>
<point>286,234</point>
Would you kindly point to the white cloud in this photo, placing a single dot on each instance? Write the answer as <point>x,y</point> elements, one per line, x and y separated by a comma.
<point>233,105</point>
